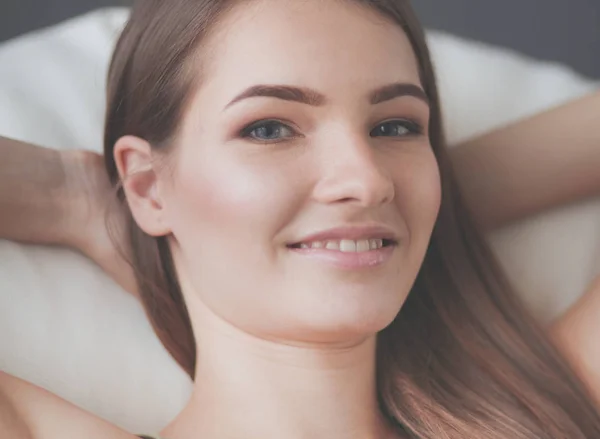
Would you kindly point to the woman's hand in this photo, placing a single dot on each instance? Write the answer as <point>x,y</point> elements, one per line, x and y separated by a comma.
<point>94,220</point>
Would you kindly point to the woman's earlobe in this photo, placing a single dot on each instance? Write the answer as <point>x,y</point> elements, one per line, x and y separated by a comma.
<point>140,180</point>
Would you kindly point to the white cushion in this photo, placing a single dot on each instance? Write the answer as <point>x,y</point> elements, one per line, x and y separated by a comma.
<point>66,326</point>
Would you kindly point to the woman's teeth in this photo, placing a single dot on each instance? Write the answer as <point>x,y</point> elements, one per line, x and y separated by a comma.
<point>345,245</point>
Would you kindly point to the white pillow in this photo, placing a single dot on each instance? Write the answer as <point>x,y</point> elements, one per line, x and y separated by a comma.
<point>67,327</point>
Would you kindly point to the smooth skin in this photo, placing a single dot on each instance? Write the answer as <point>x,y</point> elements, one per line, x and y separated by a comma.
<point>354,162</point>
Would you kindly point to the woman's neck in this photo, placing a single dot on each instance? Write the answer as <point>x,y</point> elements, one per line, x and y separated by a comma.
<point>248,387</point>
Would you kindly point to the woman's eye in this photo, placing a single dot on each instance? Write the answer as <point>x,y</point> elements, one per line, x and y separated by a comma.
<point>396,128</point>
<point>268,130</point>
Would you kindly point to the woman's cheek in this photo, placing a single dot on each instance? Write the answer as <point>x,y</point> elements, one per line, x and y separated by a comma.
<point>419,195</point>
<point>232,195</point>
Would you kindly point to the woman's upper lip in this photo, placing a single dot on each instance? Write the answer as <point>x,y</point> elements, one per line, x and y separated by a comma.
<point>355,232</point>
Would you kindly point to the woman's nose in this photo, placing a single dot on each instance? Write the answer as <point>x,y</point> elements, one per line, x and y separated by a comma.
<point>353,173</point>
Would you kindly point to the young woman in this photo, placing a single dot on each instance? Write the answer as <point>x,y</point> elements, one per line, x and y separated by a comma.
<point>284,185</point>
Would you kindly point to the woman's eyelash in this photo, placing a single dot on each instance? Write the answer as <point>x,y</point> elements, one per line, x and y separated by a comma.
<point>397,128</point>
<point>268,130</point>
<point>273,130</point>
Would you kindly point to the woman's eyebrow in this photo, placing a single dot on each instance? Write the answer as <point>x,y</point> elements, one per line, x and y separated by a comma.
<point>396,90</point>
<point>313,98</point>
<point>285,92</point>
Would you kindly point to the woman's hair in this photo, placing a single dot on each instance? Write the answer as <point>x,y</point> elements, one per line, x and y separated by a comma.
<point>462,359</point>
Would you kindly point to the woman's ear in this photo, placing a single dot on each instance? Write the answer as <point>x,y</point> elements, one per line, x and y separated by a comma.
<point>139,176</point>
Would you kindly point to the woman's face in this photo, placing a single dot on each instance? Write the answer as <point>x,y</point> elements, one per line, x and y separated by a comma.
<point>303,189</point>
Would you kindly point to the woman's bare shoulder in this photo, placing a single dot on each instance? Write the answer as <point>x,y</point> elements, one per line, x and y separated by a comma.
<point>30,412</point>
<point>576,334</point>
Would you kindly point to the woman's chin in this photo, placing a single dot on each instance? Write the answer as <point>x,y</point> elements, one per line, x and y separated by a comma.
<point>359,309</point>
<point>344,326</point>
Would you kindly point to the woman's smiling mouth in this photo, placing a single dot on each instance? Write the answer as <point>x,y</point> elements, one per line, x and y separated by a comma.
<point>349,247</point>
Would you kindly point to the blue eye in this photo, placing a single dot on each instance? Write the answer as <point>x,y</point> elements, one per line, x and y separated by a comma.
<point>268,131</point>
<point>396,128</point>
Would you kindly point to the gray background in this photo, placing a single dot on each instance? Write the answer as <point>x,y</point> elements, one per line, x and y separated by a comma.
<point>557,30</point>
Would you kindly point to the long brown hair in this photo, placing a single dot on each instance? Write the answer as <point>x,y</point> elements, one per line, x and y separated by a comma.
<point>463,358</point>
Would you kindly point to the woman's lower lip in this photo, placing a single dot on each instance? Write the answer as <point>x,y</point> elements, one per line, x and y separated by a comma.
<point>348,260</point>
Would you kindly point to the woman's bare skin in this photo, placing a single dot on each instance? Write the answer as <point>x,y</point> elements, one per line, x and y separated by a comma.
<point>71,192</point>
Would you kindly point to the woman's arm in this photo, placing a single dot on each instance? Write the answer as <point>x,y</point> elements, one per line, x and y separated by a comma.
<point>33,196</point>
<point>30,412</point>
<point>60,198</point>
<point>541,162</point>
<point>12,423</point>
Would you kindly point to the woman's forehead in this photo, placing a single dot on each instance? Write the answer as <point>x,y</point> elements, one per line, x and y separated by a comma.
<point>311,43</point>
